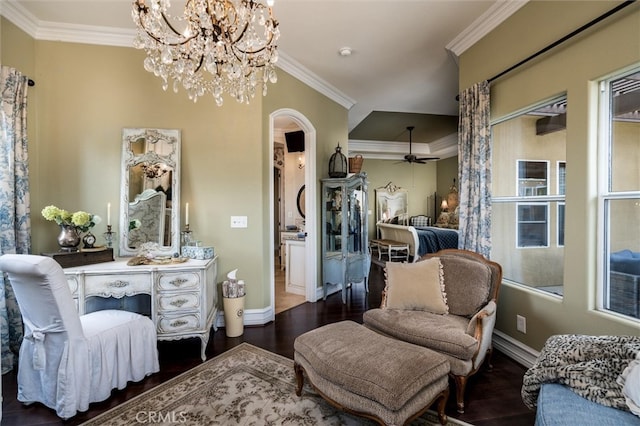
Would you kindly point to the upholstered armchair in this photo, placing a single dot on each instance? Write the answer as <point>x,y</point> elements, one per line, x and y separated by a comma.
<point>445,302</point>
<point>68,361</point>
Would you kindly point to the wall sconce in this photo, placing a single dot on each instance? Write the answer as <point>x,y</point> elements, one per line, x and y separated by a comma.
<point>301,161</point>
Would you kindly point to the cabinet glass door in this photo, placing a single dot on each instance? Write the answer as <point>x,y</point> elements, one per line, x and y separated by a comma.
<point>333,220</point>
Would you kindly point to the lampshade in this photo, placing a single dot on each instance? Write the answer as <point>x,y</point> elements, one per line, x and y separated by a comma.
<point>338,164</point>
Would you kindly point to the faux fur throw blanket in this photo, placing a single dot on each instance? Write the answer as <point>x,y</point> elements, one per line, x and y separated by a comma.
<point>589,365</point>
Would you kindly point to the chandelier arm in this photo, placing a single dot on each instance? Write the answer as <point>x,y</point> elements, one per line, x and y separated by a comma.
<point>166,21</point>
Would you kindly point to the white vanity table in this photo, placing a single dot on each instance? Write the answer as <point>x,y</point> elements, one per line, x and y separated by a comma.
<point>295,273</point>
<point>284,237</point>
<point>183,295</point>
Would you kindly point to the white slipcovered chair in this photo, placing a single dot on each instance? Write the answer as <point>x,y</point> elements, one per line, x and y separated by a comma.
<point>68,361</point>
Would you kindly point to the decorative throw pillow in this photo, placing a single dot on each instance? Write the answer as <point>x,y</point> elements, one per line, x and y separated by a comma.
<point>443,220</point>
<point>416,286</point>
<point>630,379</point>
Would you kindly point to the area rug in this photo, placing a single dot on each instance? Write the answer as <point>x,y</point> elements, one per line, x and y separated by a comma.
<point>244,386</point>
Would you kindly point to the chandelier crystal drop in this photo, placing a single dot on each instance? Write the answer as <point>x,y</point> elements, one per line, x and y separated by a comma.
<point>216,46</point>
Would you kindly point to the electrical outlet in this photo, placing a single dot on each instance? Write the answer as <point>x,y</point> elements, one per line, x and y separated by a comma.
<point>238,221</point>
<point>521,324</point>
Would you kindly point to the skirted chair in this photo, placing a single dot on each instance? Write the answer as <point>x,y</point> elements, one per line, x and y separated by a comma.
<point>445,302</point>
<point>68,361</point>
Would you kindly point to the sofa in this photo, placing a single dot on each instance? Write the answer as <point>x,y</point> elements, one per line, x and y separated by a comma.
<point>624,283</point>
<point>558,405</point>
<point>585,380</point>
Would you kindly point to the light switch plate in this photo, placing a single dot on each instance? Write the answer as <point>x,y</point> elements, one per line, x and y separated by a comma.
<point>238,221</point>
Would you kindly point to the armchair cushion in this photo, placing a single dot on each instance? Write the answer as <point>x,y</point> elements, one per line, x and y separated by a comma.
<point>416,286</point>
<point>467,283</point>
<point>442,333</point>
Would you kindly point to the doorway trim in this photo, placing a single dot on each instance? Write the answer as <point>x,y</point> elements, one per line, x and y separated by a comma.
<point>310,205</point>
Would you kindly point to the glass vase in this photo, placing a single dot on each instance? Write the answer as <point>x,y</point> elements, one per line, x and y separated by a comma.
<point>69,238</point>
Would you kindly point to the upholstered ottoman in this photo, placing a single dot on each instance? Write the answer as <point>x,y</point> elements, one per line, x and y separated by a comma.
<point>371,375</point>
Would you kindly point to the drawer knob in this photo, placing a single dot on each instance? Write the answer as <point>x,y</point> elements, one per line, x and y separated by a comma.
<point>118,283</point>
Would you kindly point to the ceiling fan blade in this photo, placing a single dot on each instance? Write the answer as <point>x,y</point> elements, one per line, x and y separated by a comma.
<point>428,158</point>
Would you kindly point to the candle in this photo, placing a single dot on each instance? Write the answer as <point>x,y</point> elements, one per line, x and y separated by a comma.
<point>186,214</point>
<point>108,213</point>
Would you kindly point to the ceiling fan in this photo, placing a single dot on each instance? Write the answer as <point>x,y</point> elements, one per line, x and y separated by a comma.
<point>412,158</point>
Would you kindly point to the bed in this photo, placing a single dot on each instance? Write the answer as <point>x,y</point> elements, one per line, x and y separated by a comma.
<point>421,240</point>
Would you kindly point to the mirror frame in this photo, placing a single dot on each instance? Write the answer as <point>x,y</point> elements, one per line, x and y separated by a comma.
<point>129,159</point>
<point>300,201</point>
<point>391,192</point>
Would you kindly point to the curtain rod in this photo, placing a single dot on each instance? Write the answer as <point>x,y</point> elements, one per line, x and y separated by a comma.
<point>565,38</point>
<point>31,83</point>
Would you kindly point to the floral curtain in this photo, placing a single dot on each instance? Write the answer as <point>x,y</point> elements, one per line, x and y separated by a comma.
<point>15,222</point>
<point>474,166</point>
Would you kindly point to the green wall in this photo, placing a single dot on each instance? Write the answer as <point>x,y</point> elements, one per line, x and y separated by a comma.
<point>574,68</point>
<point>86,94</point>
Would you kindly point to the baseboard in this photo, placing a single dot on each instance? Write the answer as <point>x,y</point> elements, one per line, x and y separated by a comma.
<point>251,317</point>
<point>514,349</point>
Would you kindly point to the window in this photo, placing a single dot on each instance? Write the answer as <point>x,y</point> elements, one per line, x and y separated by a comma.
<point>532,177</point>
<point>532,225</point>
<point>620,194</point>
<point>562,167</point>
<point>528,186</point>
<point>532,218</point>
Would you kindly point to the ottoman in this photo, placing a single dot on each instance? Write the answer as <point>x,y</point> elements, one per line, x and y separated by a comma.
<point>365,373</point>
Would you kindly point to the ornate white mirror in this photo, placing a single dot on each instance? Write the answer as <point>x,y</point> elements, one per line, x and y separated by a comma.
<point>150,190</point>
<point>392,204</point>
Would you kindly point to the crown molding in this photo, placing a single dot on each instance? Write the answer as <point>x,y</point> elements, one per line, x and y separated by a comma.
<point>484,24</point>
<point>108,36</point>
<point>445,147</point>
<point>20,17</point>
<point>305,75</point>
<point>72,33</point>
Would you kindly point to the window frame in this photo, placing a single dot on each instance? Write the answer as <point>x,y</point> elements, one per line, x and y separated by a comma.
<point>605,193</point>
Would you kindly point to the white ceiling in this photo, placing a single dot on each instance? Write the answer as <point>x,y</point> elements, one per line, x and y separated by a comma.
<point>404,52</point>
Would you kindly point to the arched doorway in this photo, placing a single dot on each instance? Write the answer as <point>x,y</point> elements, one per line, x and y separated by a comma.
<point>278,119</point>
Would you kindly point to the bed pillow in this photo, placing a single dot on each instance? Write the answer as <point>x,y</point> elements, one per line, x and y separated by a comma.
<point>416,286</point>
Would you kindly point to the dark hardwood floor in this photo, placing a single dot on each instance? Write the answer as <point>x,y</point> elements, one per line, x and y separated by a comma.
<point>492,397</point>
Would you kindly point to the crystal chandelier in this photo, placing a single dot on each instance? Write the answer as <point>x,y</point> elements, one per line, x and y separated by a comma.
<point>216,46</point>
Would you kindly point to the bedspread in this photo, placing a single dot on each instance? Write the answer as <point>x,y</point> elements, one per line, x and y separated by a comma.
<point>433,239</point>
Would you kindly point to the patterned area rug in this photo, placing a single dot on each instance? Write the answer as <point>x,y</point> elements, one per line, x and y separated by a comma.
<point>243,386</point>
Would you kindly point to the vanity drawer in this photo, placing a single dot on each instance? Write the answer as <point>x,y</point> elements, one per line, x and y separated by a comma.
<point>168,323</point>
<point>116,285</point>
<point>180,301</point>
<point>178,281</point>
